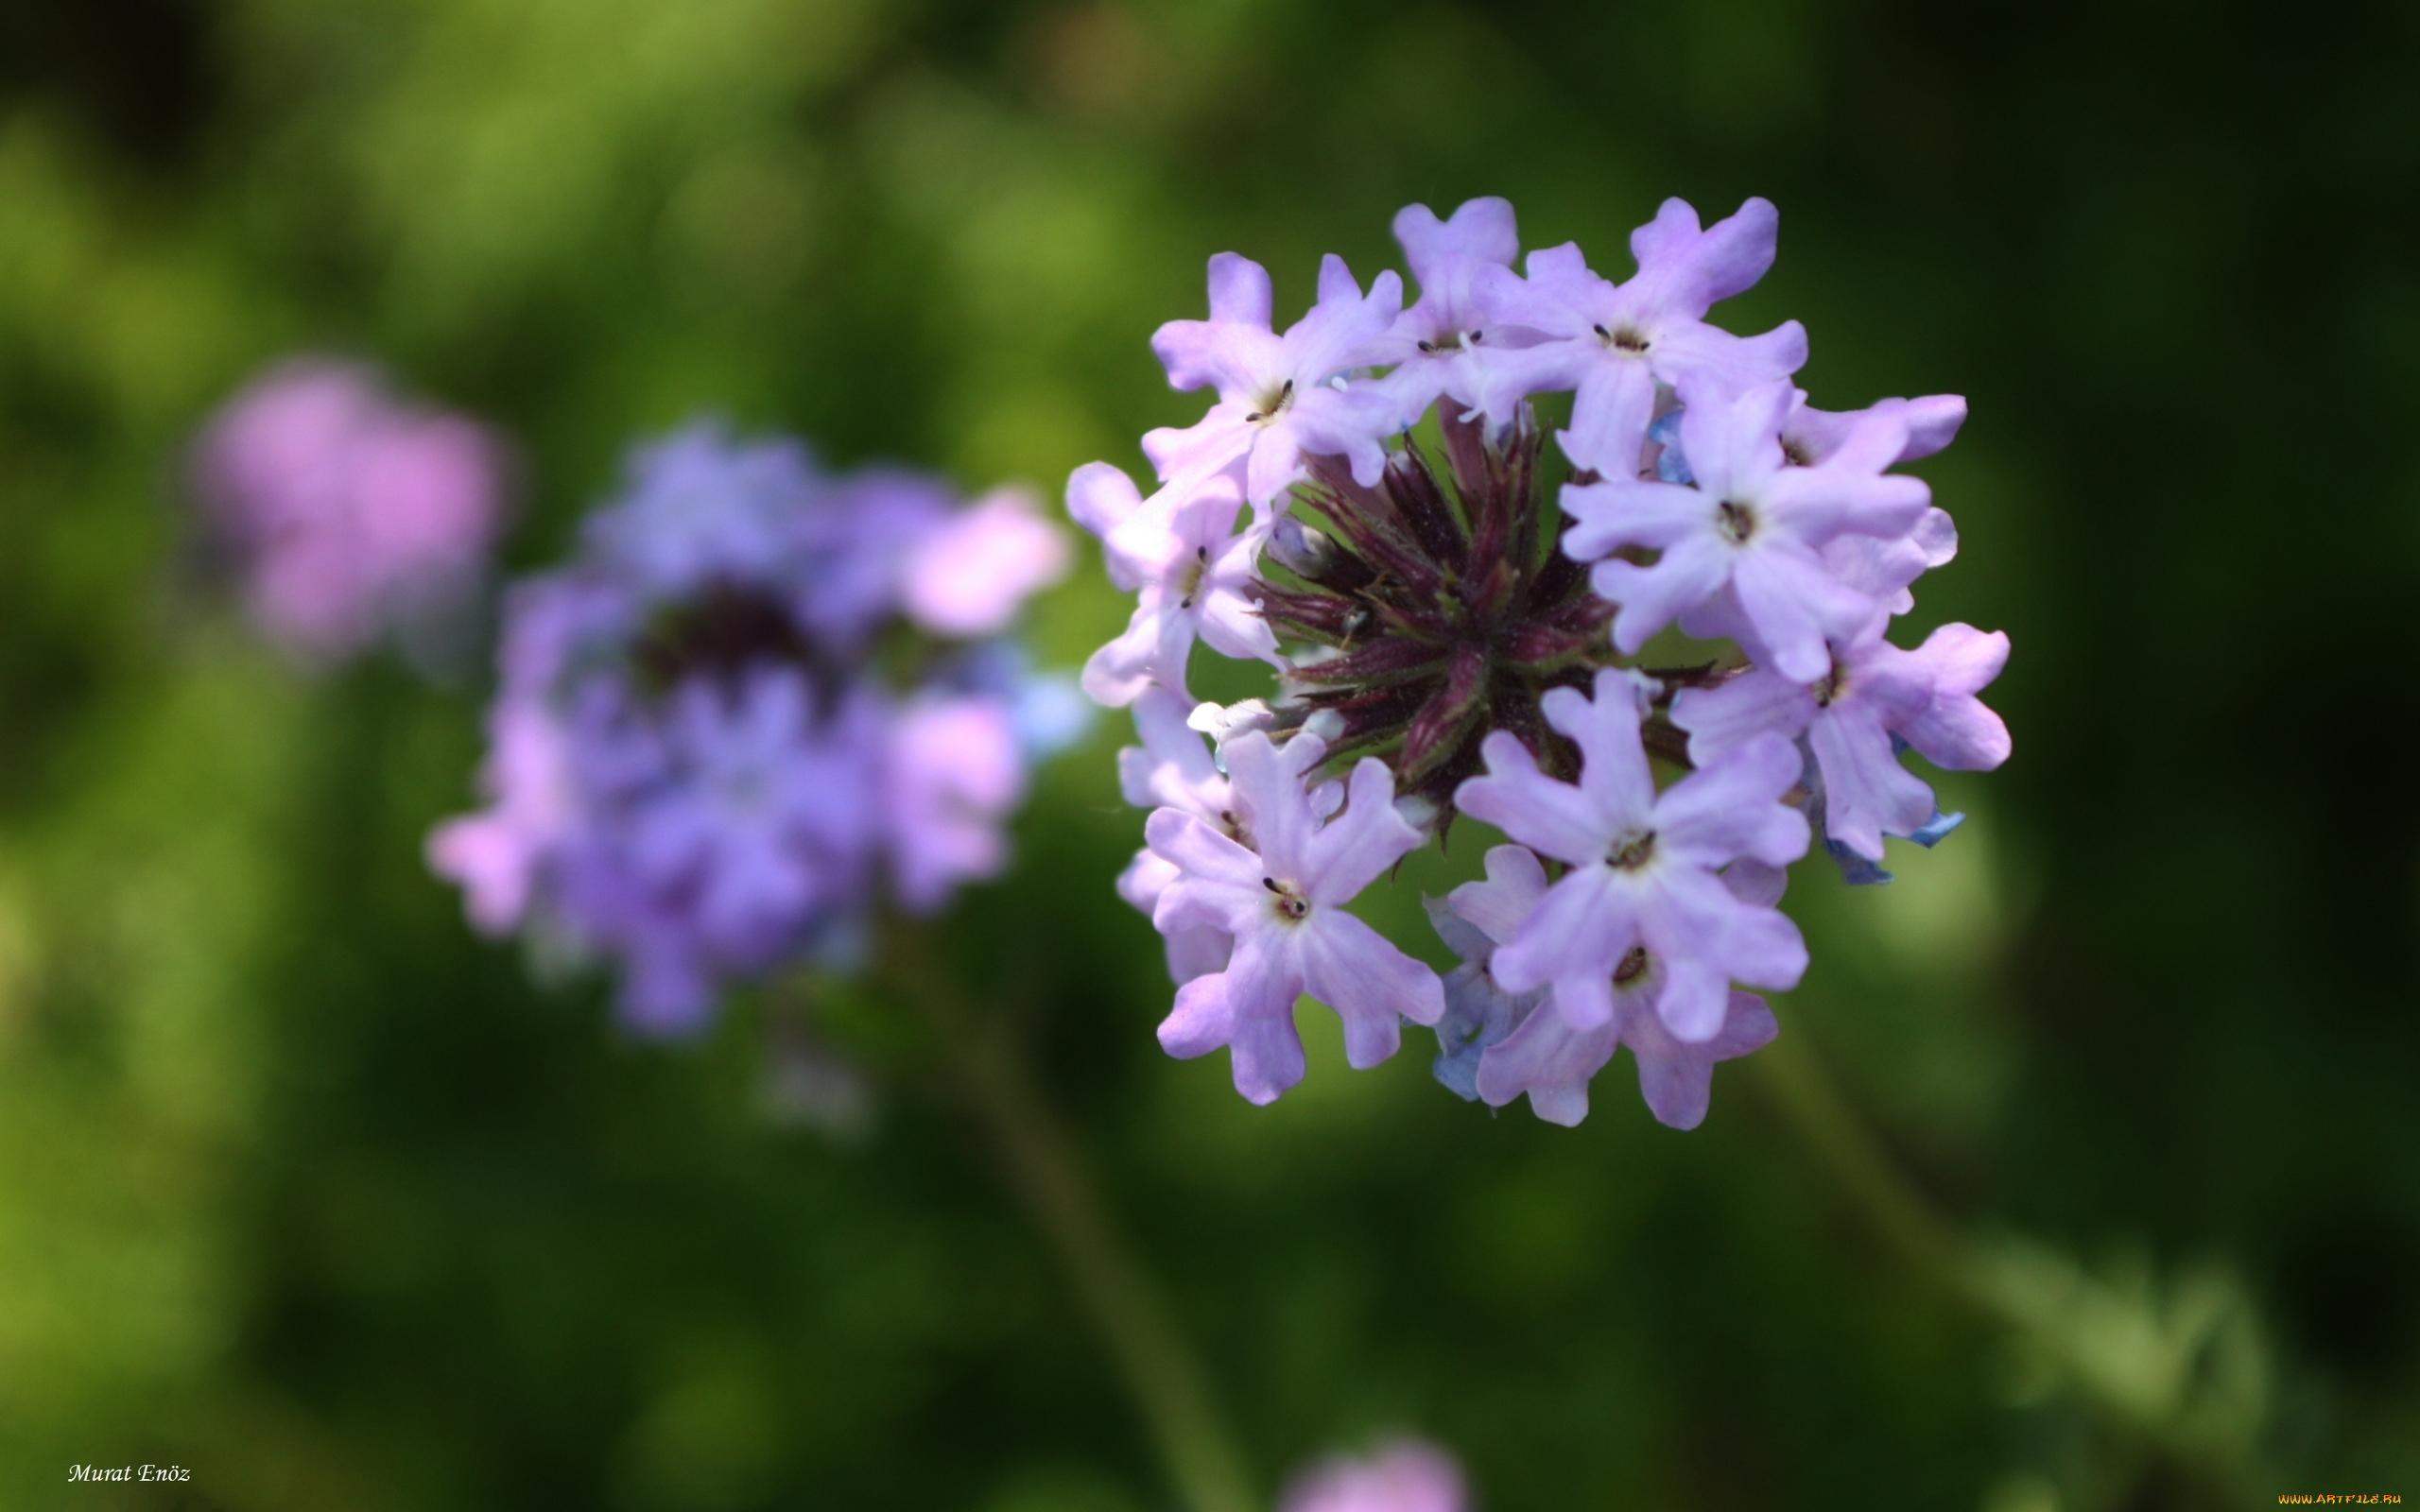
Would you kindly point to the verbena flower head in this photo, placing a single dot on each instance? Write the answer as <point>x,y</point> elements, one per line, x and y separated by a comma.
<point>349,514</point>
<point>761,700</point>
<point>1464,625</point>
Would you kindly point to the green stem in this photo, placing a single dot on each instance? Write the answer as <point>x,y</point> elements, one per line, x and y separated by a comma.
<point>1797,1084</point>
<point>1798,1087</point>
<point>1048,1176</point>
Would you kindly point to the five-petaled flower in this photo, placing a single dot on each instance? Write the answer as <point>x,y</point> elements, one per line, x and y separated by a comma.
<point>1519,1051</point>
<point>1643,864</point>
<point>1741,551</point>
<point>1613,344</point>
<point>1871,699</point>
<point>1281,900</point>
<point>1194,576</point>
<point>1279,397</point>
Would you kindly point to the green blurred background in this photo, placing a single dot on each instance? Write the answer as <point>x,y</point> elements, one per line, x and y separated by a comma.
<point>307,1189</point>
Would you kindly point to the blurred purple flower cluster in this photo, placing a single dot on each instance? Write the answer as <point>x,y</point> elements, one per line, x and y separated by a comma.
<point>1442,653</point>
<point>349,514</point>
<point>761,698</point>
<point>1403,1477</point>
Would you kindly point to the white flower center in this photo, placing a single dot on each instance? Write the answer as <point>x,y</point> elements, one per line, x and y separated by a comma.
<point>1291,906</point>
<point>1625,338</point>
<point>1273,405</point>
<point>1632,850</point>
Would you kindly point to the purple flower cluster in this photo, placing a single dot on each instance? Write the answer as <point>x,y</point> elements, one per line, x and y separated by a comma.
<point>1440,655</point>
<point>760,699</point>
<point>349,514</point>
<point>1403,1477</point>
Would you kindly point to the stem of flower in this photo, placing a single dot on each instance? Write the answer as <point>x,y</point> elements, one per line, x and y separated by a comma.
<point>1047,1176</point>
<point>1798,1087</point>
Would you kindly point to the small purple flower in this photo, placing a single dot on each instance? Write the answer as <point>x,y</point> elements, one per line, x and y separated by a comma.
<point>1281,900</point>
<point>970,576</point>
<point>1435,343</point>
<point>351,514</point>
<point>1871,691</point>
<point>1643,864</point>
<point>853,550</point>
<point>756,807</point>
<point>1810,435</point>
<point>1955,731</point>
<point>1541,1055</point>
<point>1194,576</point>
<point>953,775</point>
<point>1613,343</point>
<point>1880,567</point>
<point>1405,1477</point>
<point>1744,546</point>
<point>1172,768</point>
<point>1472,921</point>
<point>496,854</point>
<point>701,506</point>
<point>1278,396</point>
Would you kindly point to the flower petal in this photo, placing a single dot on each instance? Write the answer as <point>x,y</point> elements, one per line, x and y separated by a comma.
<point>1867,794</point>
<point>1731,808</point>
<point>1372,986</point>
<point>1956,732</point>
<point>1530,807</point>
<point>1585,923</point>
<point>1354,849</point>
<point>1732,713</point>
<point>1613,763</point>
<point>1550,1062</point>
<point>1500,905</point>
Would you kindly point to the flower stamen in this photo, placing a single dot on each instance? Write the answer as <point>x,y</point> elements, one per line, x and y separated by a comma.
<point>1291,905</point>
<point>1273,407</point>
<point>1626,338</point>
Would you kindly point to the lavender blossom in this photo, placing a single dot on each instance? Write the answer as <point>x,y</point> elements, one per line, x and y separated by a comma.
<point>1280,898</point>
<point>1434,343</point>
<point>1278,397</point>
<point>1614,344</point>
<point>1476,919</point>
<point>1855,719</point>
<point>971,574</point>
<point>351,514</point>
<point>1643,864</point>
<point>1744,541</point>
<point>1520,1051</point>
<point>1440,657</point>
<point>953,774</point>
<point>700,772</point>
<point>1173,769</point>
<point>1195,578</point>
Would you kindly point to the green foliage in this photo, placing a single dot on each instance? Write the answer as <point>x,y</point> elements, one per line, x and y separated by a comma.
<point>307,1189</point>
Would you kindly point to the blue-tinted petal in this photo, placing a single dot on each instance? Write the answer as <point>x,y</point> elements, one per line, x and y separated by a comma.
<point>1937,828</point>
<point>1671,463</point>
